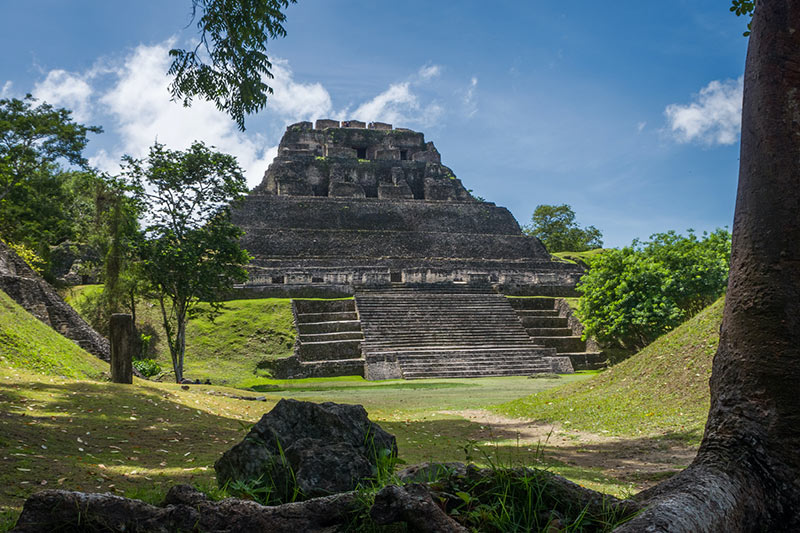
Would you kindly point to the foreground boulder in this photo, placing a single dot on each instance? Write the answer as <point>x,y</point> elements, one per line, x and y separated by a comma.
<point>303,449</point>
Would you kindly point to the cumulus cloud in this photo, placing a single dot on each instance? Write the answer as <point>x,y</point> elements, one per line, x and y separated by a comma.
<point>139,106</point>
<point>5,91</point>
<point>64,89</point>
<point>713,117</point>
<point>298,101</point>
<point>397,105</point>
<point>129,97</point>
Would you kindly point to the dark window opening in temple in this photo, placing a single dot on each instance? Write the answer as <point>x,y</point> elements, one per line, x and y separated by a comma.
<point>277,279</point>
<point>403,155</point>
<point>362,153</point>
<point>396,277</point>
<point>316,279</point>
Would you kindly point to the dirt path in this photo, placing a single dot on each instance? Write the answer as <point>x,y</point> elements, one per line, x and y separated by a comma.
<point>642,461</point>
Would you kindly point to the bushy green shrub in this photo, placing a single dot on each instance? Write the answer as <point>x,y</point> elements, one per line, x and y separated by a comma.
<point>633,295</point>
<point>147,367</point>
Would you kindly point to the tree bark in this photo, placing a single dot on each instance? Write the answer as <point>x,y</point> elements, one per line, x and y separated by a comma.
<point>746,476</point>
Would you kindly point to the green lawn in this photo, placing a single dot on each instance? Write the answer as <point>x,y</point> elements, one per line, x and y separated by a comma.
<point>226,350</point>
<point>62,425</point>
<point>661,390</point>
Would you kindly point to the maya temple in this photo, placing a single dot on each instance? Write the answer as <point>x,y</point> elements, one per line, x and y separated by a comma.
<point>350,209</point>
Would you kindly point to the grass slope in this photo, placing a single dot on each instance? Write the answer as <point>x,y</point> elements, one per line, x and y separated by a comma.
<point>661,390</point>
<point>226,350</point>
<point>27,343</point>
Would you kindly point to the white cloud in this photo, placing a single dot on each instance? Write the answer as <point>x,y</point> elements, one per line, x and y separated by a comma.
<point>64,89</point>
<point>640,126</point>
<point>398,105</point>
<point>130,98</point>
<point>471,106</point>
<point>139,104</point>
<point>429,71</point>
<point>714,117</point>
<point>5,92</point>
<point>299,101</point>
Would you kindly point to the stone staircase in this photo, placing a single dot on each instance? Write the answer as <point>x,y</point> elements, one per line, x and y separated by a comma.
<point>548,326</point>
<point>328,338</point>
<point>445,331</point>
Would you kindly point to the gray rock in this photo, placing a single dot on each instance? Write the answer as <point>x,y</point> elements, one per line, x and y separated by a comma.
<point>317,448</point>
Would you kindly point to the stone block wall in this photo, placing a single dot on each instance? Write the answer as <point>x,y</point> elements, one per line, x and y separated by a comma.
<point>261,212</point>
<point>37,297</point>
<point>310,153</point>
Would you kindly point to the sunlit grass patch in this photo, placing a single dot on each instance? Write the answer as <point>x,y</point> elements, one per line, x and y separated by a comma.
<point>661,390</point>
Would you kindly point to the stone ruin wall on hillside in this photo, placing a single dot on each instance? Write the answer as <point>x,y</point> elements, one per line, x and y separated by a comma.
<point>353,204</point>
<point>37,297</point>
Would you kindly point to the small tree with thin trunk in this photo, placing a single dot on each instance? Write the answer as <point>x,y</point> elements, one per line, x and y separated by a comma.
<point>190,252</point>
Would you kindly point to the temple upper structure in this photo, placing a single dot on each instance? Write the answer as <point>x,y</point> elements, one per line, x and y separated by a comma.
<point>353,160</point>
<point>347,205</point>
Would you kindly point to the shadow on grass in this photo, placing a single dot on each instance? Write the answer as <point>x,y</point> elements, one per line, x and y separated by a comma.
<point>103,437</point>
<point>615,463</point>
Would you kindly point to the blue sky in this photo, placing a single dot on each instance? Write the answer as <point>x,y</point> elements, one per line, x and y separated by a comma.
<point>628,111</point>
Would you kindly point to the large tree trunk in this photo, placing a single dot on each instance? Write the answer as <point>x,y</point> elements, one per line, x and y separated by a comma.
<point>746,476</point>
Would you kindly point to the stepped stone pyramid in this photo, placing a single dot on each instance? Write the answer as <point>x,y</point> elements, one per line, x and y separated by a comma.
<point>345,205</point>
<point>369,210</point>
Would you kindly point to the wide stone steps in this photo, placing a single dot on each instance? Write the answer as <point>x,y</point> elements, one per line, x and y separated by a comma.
<point>329,338</point>
<point>334,367</point>
<point>496,351</point>
<point>334,336</point>
<point>530,304</point>
<point>322,306</point>
<point>327,350</point>
<point>549,332</point>
<point>543,323</point>
<point>303,318</point>
<point>333,326</point>
<point>453,364</point>
<point>447,331</point>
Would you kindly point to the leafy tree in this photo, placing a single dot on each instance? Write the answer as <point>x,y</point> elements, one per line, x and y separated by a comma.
<point>34,139</point>
<point>744,8</point>
<point>633,295</point>
<point>40,200</point>
<point>555,226</point>
<point>190,250</point>
<point>229,62</point>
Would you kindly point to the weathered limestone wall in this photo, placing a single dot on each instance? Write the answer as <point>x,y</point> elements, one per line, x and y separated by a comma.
<point>353,161</point>
<point>34,294</point>
<point>267,211</point>
<point>374,244</point>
